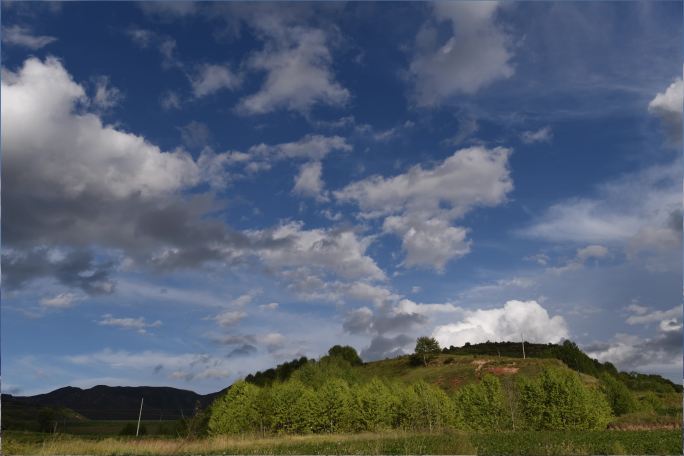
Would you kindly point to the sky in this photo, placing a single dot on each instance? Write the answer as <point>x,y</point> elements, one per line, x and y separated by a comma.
<point>196,191</point>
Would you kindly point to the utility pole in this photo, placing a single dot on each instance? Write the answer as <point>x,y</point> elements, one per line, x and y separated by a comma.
<point>137,431</point>
<point>522,338</point>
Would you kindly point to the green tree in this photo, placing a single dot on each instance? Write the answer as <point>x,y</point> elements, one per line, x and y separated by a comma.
<point>426,346</point>
<point>334,406</point>
<point>373,407</point>
<point>558,400</point>
<point>482,405</point>
<point>433,409</point>
<point>619,397</point>
<point>293,407</point>
<point>346,353</point>
<point>236,411</point>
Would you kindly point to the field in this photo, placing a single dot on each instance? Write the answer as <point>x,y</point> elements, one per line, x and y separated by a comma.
<point>515,443</point>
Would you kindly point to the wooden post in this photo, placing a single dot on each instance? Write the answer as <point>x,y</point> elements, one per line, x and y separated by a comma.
<point>137,431</point>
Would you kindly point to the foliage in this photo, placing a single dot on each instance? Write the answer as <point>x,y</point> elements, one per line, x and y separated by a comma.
<point>426,346</point>
<point>482,405</point>
<point>373,405</point>
<point>558,400</point>
<point>347,353</point>
<point>236,411</point>
<point>280,373</point>
<point>620,398</point>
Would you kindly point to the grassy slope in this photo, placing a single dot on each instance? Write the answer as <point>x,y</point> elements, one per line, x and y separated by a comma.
<point>453,371</point>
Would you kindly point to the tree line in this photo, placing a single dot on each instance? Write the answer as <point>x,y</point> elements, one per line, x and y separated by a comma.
<point>330,396</point>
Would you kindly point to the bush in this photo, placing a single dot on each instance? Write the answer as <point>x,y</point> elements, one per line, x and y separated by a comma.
<point>236,411</point>
<point>558,400</point>
<point>373,407</point>
<point>620,398</point>
<point>482,405</point>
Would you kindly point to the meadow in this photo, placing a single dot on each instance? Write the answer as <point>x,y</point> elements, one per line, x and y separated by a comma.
<point>391,442</point>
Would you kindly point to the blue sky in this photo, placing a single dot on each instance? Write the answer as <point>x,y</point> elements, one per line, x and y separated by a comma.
<point>194,191</point>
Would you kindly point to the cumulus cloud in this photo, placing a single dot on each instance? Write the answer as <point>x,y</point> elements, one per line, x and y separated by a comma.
<point>298,67</point>
<point>72,181</point>
<point>308,181</point>
<point>420,204</point>
<point>475,53</point>
<point>16,35</point>
<point>514,320</point>
<point>321,251</point>
<point>661,352</point>
<point>211,78</point>
<point>543,135</point>
<point>135,324</point>
<point>668,106</point>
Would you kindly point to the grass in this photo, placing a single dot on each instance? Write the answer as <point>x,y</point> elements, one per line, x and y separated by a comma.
<point>453,371</point>
<point>396,442</point>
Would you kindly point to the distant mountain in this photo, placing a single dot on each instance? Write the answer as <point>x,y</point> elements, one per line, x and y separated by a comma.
<point>119,402</point>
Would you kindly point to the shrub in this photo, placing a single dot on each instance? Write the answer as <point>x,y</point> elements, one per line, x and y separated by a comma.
<point>236,411</point>
<point>558,400</point>
<point>620,398</point>
<point>482,405</point>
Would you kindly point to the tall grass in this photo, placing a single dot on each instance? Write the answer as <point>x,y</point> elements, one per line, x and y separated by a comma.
<point>395,442</point>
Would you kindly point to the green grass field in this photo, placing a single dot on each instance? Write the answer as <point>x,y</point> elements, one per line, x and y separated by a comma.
<point>514,443</point>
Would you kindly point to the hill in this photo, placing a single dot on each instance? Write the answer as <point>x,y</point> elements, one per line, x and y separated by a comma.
<point>115,402</point>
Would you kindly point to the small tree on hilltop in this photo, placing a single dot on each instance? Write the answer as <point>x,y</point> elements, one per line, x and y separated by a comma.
<point>426,346</point>
<point>347,353</point>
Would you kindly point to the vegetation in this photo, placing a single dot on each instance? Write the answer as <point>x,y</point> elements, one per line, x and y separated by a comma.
<point>393,442</point>
<point>443,403</point>
<point>425,348</point>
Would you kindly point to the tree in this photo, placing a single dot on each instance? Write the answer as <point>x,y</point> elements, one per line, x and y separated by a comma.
<point>236,411</point>
<point>619,397</point>
<point>558,400</point>
<point>373,407</point>
<point>482,405</point>
<point>334,402</point>
<point>426,346</point>
<point>347,353</point>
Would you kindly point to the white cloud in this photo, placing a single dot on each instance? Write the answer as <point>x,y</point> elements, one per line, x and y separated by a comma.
<point>308,182</point>
<point>68,153</point>
<point>61,300</point>
<point>644,315</point>
<point>137,324</point>
<point>508,323</point>
<point>229,317</point>
<point>637,210</point>
<point>106,96</point>
<point>470,177</point>
<point>581,257</point>
<point>668,105</point>
<point>23,36</point>
<point>543,135</point>
<point>425,202</point>
<point>321,251</point>
<point>428,242</point>
<point>476,53</point>
<point>212,78</point>
<point>312,147</point>
<point>298,67</point>
<point>269,306</point>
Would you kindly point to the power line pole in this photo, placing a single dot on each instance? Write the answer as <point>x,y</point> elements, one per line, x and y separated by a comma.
<point>522,338</point>
<point>137,431</point>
